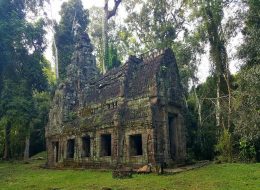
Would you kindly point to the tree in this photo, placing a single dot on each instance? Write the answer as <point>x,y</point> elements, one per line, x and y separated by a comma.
<point>38,121</point>
<point>249,51</point>
<point>156,25</point>
<point>247,95</point>
<point>95,31</point>
<point>73,17</point>
<point>205,131</point>
<point>246,114</point>
<point>22,45</point>
<point>212,14</point>
<point>113,60</point>
<point>160,24</point>
<point>215,29</point>
<point>107,15</point>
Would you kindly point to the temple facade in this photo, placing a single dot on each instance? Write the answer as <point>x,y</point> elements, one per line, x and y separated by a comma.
<point>133,115</point>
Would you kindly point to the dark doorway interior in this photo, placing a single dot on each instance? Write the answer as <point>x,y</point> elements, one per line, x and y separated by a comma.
<point>86,146</point>
<point>171,123</point>
<point>105,145</point>
<point>136,147</point>
<point>70,148</point>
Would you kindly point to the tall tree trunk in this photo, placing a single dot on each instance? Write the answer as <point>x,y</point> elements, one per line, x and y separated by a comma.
<point>27,147</point>
<point>198,102</point>
<point>56,58</point>
<point>218,54</point>
<point>218,120</point>
<point>107,15</point>
<point>7,150</point>
<point>105,37</point>
<point>227,79</point>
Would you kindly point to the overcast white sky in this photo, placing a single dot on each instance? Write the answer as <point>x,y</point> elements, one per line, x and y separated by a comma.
<point>53,12</point>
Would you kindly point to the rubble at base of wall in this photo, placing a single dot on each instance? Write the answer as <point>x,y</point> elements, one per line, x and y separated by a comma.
<point>122,173</point>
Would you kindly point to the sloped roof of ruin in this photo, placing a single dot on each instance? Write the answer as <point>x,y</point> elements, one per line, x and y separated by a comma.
<point>133,79</point>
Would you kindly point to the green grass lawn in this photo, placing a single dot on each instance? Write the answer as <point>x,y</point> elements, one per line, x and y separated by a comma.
<point>223,176</point>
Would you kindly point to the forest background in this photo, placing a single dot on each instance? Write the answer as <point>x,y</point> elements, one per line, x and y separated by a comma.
<point>223,110</point>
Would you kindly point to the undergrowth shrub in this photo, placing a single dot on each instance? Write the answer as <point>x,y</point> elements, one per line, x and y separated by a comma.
<point>224,147</point>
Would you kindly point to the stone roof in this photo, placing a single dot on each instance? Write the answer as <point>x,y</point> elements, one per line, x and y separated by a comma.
<point>137,77</point>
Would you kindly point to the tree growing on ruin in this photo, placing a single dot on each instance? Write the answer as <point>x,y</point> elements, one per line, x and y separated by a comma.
<point>72,15</point>
<point>107,15</point>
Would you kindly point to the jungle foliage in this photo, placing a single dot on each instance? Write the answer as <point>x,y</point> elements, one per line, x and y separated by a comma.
<point>23,77</point>
<point>223,119</point>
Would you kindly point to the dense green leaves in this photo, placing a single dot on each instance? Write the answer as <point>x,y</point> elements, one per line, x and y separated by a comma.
<point>115,47</point>
<point>21,74</point>
<point>39,121</point>
<point>201,103</point>
<point>247,107</point>
<point>247,96</point>
<point>250,50</point>
<point>156,25</point>
<point>224,110</point>
<point>73,17</point>
<point>113,60</point>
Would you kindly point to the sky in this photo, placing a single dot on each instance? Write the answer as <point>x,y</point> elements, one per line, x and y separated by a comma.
<point>203,69</point>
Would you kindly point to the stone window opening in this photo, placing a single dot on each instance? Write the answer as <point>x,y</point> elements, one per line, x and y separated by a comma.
<point>105,145</point>
<point>86,146</point>
<point>115,104</point>
<point>112,105</point>
<point>70,148</point>
<point>136,145</point>
<point>94,111</point>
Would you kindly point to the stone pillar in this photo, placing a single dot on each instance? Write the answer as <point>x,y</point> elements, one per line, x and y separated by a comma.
<point>114,145</point>
<point>181,139</point>
<point>78,148</point>
<point>49,149</point>
<point>167,151</point>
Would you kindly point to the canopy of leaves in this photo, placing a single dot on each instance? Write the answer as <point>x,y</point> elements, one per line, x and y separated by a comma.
<point>156,25</point>
<point>21,69</point>
<point>73,17</point>
<point>250,50</point>
<point>246,106</point>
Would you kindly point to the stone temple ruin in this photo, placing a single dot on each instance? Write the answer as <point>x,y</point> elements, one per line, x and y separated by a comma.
<point>133,115</point>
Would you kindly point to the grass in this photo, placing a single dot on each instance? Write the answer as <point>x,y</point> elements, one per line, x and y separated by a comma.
<point>20,176</point>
